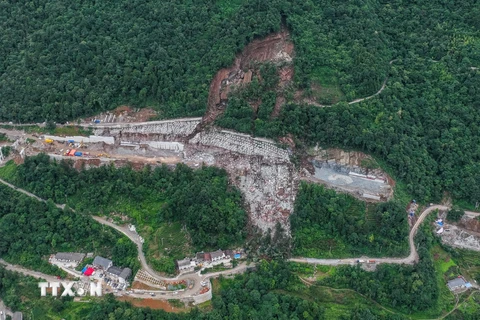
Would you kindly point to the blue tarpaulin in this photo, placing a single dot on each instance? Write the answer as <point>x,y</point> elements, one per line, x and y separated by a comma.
<point>237,256</point>
<point>84,269</point>
<point>440,223</point>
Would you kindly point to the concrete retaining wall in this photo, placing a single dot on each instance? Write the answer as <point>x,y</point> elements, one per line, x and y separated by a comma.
<point>240,143</point>
<point>77,139</point>
<point>163,145</point>
<point>203,297</point>
<point>175,127</point>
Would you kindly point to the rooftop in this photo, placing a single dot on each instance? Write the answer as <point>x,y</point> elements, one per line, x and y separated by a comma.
<point>455,283</point>
<point>71,256</point>
<point>17,316</point>
<point>102,262</point>
<point>126,273</point>
<point>115,270</point>
<point>183,263</point>
<point>216,254</point>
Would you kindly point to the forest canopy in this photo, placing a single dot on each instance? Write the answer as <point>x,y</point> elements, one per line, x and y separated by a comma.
<point>62,60</point>
<point>326,224</point>
<point>201,199</point>
<point>32,230</point>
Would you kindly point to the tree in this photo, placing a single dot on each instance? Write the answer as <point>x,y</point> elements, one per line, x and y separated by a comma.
<point>455,214</point>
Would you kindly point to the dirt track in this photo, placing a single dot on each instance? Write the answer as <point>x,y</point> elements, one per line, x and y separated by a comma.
<point>197,278</point>
<point>411,259</point>
<point>359,99</point>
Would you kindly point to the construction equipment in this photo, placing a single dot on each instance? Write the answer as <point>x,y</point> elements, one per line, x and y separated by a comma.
<point>50,141</point>
<point>105,155</point>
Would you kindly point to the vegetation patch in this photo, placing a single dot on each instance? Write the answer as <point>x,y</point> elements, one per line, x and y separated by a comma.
<point>326,224</point>
<point>36,230</point>
<point>201,200</point>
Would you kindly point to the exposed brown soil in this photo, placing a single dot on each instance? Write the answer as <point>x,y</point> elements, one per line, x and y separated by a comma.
<point>255,105</point>
<point>136,162</point>
<point>288,140</point>
<point>275,48</point>
<point>470,224</point>
<point>86,162</point>
<point>18,160</point>
<point>152,304</point>
<point>279,102</point>
<point>127,114</point>
<point>142,286</point>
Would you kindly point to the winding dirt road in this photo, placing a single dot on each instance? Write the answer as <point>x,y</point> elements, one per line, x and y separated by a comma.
<point>196,278</point>
<point>384,84</point>
<point>27,272</point>
<point>411,259</point>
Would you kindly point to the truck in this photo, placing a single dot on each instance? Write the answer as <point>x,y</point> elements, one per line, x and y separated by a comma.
<point>48,140</point>
<point>360,261</point>
<point>371,261</point>
<point>78,154</point>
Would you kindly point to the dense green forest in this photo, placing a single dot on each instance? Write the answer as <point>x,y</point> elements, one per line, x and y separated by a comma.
<point>408,288</point>
<point>326,224</point>
<point>424,125</point>
<point>32,230</point>
<point>61,60</point>
<point>202,200</point>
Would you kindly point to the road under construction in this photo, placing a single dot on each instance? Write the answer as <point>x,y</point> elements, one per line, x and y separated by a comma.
<point>259,168</point>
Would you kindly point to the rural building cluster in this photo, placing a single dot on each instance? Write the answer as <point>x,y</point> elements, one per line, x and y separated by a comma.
<point>100,268</point>
<point>205,260</point>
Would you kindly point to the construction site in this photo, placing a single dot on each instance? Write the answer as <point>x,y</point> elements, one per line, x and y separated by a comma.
<point>464,234</point>
<point>352,172</point>
<point>260,168</point>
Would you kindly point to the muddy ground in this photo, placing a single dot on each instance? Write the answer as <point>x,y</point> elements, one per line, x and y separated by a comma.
<point>152,304</point>
<point>276,48</point>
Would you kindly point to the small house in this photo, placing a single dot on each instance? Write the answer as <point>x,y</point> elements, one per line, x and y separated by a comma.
<point>456,284</point>
<point>125,274</point>
<point>184,264</point>
<point>217,255</point>
<point>17,316</point>
<point>207,257</point>
<point>69,257</point>
<point>102,262</point>
<point>200,257</point>
<point>228,254</point>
